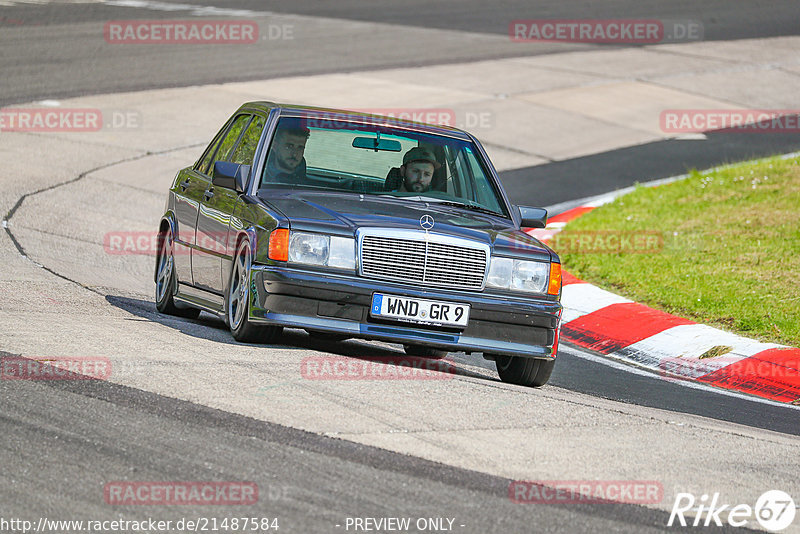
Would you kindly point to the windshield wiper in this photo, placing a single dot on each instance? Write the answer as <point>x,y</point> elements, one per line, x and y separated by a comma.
<point>442,202</point>
<point>472,207</point>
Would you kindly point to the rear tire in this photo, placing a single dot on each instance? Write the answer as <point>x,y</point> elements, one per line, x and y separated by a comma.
<point>425,352</point>
<point>237,302</point>
<point>165,279</point>
<point>529,372</point>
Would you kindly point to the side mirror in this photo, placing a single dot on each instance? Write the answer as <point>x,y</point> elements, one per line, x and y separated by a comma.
<point>230,175</point>
<point>532,217</point>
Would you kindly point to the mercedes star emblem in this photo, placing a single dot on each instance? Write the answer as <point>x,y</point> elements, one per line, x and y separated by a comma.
<point>426,222</point>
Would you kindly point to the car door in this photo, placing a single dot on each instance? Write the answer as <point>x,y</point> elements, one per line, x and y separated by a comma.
<point>188,192</point>
<point>218,204</point>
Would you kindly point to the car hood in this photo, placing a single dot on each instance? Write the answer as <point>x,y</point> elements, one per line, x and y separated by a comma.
<point>343,214</point>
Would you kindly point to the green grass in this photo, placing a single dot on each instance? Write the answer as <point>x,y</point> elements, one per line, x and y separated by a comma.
<point>731,249</point>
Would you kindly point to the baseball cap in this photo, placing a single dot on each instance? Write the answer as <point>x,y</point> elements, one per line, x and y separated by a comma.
<point>419,153</point>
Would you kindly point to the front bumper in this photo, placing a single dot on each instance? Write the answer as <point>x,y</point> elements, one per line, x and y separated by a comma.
<point>333,302</point>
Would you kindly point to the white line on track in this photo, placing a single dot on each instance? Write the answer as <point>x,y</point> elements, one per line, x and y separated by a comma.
<point>198,11</point>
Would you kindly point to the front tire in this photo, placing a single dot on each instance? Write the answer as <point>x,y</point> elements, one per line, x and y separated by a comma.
<point>165,279</point>
<point>530,372</point>
<point>237,309</point>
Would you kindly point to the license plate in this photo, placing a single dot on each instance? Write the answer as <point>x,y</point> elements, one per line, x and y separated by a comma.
<point>419,310</point>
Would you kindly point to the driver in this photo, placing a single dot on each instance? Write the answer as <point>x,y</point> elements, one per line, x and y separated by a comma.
<point>286,163</point>
<point>417,170</point>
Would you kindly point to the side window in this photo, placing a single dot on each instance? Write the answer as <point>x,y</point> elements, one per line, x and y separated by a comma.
<point>246,149</point>
<point>227,139</point>
<point>236,129</point>
<point>205,161</point>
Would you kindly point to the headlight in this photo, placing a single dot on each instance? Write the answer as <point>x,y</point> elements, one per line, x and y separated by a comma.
<point>518,275</point>
<point>530,276</point>
<point>311,249</point>
<point>500,273</point>
<point>342,253</point>
<point>319,249</point>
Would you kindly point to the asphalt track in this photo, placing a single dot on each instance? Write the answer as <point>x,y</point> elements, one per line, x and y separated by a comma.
<point>311,483</point>
<point>318,481</point>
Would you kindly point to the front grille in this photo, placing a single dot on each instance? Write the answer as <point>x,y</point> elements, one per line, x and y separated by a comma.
<point>431,262</point>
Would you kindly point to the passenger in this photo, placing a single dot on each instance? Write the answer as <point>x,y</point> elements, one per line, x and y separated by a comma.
<point>286,163</point>
<point>417,170</point>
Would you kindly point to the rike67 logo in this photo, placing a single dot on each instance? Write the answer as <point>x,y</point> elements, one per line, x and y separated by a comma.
<point>774,510</point>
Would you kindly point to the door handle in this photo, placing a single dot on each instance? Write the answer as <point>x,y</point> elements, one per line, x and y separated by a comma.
<point>184,184</point>
<point>209,193</point>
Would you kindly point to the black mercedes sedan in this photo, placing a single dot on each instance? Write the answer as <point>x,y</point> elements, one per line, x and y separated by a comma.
<point>351,225</point>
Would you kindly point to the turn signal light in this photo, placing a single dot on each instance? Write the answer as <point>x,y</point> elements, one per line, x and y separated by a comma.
<point>553,287</point>
<point>279,244</point>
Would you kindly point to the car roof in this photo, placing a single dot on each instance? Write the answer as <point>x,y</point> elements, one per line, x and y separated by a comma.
<point>295,110</point>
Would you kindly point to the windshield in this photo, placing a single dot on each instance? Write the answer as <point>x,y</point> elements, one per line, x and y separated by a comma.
<point>379,160</point>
